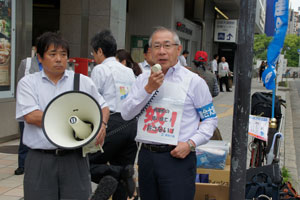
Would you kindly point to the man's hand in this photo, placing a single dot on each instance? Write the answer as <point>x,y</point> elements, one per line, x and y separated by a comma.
<point>181,151</point>
<point>155,80</point>
<point>101,136</point>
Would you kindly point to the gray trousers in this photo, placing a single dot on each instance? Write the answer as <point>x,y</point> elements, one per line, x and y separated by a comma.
<point>51,177</point>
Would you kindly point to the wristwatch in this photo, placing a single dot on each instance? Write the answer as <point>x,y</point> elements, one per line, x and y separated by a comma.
<point>192,147</point>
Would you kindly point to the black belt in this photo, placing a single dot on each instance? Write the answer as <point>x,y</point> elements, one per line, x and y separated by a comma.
<point>158,148</point>
<point>59,152</point>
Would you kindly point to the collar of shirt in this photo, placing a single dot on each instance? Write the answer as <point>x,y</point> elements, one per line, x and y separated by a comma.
<point>109,59</point>
<point>65,75</point>
<point>173,69</point>
<point>146,64</point>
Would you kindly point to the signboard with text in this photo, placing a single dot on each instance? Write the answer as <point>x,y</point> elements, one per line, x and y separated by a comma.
<point>225,30</point>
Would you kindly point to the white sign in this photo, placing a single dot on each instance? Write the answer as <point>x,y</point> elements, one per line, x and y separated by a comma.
<point>225,30</point>
<point>258,127</point>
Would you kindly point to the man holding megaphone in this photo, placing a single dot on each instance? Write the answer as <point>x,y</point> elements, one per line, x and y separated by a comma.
<point>53,173</point>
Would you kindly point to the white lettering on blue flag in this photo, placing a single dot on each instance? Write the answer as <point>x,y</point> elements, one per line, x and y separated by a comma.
<point>281,12</point>
<point>207,111</point>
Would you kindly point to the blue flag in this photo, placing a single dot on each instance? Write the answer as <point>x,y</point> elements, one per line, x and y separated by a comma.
<point>281,13</point>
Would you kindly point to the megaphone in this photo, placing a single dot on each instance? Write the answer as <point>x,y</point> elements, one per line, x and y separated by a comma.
<point>72,120</point>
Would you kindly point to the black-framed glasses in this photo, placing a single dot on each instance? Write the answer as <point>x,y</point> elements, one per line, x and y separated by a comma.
<point>164,45</point>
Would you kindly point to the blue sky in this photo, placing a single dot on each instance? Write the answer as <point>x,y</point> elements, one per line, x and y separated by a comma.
<point>294,4</point>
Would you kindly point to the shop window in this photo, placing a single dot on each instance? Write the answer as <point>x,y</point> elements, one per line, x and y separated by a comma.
<point>7,48</point>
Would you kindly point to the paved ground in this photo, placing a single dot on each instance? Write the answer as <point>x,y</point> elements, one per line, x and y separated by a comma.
<point>11,186</point>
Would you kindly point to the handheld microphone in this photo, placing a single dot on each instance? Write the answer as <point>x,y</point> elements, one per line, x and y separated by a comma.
<point>156,68</point>
<point>105,189</point>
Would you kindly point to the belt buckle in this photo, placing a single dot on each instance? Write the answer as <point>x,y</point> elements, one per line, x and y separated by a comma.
<point>151,148</point>
<point>58,152</point>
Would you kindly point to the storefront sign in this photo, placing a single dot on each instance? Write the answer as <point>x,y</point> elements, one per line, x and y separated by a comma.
<point>182,28</point>
<point>225,30</point>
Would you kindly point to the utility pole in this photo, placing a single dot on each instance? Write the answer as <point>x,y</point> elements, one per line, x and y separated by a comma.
<point>243,75</point>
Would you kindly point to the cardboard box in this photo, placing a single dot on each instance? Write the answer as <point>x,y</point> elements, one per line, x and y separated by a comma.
<point>219,176</point>
<point>208,191</point>
<point>218,188</point>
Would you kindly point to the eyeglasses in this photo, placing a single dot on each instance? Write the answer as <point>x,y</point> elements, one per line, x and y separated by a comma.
<point>165,45</point>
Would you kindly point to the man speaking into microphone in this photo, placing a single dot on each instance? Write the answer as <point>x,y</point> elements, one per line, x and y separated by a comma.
<point>178,119</point>
<point>51,173</point>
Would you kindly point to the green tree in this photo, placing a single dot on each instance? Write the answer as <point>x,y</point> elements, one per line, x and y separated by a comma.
<point>290,47</point>
<point>261,43</point>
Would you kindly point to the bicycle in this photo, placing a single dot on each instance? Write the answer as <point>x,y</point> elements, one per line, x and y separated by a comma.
<point>263,152</point>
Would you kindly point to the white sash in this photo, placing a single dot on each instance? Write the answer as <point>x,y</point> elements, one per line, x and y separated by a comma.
<point>123,84</point>
<point>160,123</point>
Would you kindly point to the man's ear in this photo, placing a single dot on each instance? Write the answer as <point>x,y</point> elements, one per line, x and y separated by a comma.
<point>39,58</point>
<point>99,52</point>
<point>179,50</point>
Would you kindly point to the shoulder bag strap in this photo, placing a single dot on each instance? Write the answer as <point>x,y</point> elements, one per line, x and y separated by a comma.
<point>76,82</point>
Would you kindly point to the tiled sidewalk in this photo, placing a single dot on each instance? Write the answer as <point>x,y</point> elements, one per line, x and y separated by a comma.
<point>11,186</point>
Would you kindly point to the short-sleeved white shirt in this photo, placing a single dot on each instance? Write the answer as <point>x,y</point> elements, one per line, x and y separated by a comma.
<point>35,91</point>
<point>103,77</point>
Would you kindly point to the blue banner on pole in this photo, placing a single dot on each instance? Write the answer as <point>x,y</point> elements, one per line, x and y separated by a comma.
<point>281,13</point>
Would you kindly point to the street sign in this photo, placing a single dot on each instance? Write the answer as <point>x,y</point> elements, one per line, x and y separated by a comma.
<point>298,51</point>
<point>225,30</point>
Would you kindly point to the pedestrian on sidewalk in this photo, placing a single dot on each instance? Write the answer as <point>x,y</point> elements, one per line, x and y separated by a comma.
<point>224,73</point>
<point>214,65</point>
<point>262,68</point>
<point>210,78</point>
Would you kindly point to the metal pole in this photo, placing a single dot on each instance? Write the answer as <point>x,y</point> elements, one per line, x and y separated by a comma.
<point>299,60</point>
<point>243,76</point>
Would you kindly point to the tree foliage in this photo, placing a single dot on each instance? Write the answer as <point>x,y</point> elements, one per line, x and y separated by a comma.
<point>290,47</point>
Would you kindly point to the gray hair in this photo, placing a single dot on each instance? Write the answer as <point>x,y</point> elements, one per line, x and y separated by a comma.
<point>161,28</point>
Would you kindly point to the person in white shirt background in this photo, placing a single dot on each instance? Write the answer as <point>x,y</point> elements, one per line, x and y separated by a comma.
<point>214,65</point>
<point>179,117</point>
<point>147,63</point>
<point>223,73</point>
<point>113,81</point>
<point>182,58</point>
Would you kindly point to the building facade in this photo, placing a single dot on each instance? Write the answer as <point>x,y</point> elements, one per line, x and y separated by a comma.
<point>200,24</point>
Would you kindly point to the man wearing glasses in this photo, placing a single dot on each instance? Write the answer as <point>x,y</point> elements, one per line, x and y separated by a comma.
<point>170,127</point>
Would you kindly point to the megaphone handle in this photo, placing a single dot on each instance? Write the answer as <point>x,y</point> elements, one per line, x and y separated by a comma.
<point>102,151</point>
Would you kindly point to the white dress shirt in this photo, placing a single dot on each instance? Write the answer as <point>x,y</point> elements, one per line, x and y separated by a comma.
<point>35,91</point>
<point>198,96</point>
<point>145,67</point>
<point>214,65</point>
<point>223,69</point>
<point>103,77</point>
<point>182,60</point>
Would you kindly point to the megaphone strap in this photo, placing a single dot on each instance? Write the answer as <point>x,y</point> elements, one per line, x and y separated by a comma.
<point>76,86</point>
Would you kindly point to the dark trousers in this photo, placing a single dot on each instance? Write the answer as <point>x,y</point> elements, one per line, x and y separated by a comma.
<point>119,150</point>
<point>23,149</point>
<point>164,177</point>
<point>51,177</point>
<point>224,80</point>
